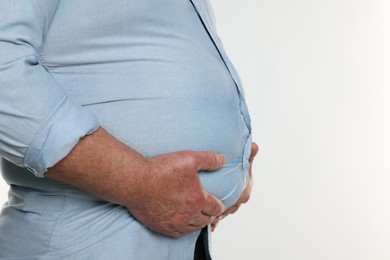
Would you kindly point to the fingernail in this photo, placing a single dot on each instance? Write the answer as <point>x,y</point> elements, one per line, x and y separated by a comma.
<point>222,158</point>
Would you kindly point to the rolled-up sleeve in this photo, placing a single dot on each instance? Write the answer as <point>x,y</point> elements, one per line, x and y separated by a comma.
<point>39,124</point>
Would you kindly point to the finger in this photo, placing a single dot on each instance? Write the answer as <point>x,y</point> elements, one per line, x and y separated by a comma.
<point>197,223</point>
<point>201,221</point>
<point>213,206</point>
<point>223,216</point>
<point>254,151</point>
<point>245,196</point>
<point>231,210</point>
<point>215,224</point>
<point>209,161</point>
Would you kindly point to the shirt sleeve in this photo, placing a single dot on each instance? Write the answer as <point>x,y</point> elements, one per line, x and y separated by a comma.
<point>39,124</point>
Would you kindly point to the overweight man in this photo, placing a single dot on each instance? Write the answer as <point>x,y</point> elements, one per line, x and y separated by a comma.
<point>123,129</point>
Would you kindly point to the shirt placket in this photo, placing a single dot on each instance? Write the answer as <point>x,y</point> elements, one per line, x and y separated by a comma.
<point>203,12</point>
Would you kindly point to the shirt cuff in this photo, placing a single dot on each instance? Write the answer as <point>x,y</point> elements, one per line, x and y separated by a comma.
<point>57,137</point>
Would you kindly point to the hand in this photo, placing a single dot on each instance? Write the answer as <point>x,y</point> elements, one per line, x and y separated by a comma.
<point>164,192</point>
<point>173,201</point>
<point>245,194</point>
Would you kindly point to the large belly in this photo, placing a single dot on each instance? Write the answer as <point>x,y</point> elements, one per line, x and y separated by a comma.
<point>191,115</point>
<point>156,81</point>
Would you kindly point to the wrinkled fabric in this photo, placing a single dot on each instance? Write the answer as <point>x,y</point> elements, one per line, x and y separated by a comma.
<point>153,73</point>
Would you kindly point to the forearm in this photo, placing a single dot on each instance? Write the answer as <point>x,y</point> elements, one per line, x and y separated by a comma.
<point>104,166</point>
<point>164,192</point>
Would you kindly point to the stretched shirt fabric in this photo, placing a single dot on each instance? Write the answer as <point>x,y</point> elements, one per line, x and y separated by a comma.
<point>153,73</point>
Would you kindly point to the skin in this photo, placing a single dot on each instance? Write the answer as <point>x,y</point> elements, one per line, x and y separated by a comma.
<point>163,192</point>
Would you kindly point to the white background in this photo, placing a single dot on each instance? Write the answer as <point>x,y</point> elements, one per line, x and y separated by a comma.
<point>317,77</point>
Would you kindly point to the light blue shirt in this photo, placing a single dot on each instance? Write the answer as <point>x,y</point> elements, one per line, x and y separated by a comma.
<point>153,73</point>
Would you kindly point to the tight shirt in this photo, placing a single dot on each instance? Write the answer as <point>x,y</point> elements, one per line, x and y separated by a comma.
<point>153,73</point>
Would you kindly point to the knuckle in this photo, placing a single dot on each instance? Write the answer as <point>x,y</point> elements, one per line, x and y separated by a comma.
<point>181,219</point>
<point>197,201</point>
<point>191,159</point>
<point>187,153</point>
<point>193,209</point>
<point>217,208</point>
<point>214,158</point>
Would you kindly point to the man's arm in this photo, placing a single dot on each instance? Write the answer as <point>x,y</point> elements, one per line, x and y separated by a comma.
<point>40,128</point>
<point>39,124</point>
<point>164,192</point>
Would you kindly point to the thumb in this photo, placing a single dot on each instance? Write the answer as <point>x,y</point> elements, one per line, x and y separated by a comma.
<point>213,206</point>
<point>210,161</point>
